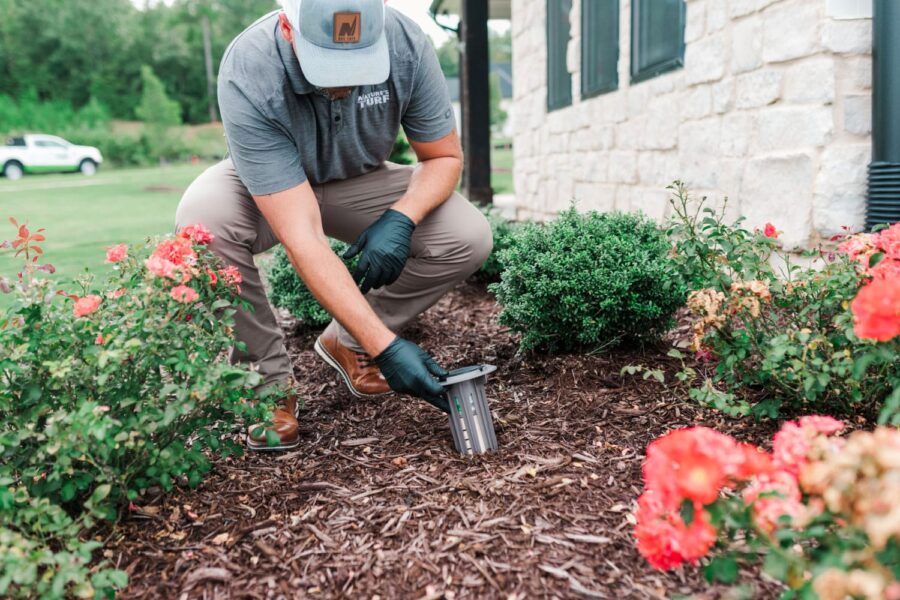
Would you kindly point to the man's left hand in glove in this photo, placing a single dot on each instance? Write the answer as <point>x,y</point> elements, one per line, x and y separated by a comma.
<point>383,248</point>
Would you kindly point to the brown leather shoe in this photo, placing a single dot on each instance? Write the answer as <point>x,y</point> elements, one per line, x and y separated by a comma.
<point>356,368</point>
<point>284,424</point>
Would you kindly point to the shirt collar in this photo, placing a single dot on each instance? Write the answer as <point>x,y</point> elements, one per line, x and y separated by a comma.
<point>292,65</point>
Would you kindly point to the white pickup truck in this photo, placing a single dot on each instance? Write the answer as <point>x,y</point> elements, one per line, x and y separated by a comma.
<point>46,154</point>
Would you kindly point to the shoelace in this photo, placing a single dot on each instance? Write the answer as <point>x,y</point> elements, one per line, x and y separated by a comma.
<point>364,360</point>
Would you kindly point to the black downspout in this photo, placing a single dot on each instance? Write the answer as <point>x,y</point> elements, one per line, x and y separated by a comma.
<point>884,170</point>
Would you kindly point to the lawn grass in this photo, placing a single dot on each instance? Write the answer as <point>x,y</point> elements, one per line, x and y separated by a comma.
<point>501,170</point>
<point>83,215</point>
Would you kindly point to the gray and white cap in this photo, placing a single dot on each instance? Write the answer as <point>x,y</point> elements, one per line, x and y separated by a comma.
<point>340,43</point>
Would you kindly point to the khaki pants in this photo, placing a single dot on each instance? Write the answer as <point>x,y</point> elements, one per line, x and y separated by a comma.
<point>447,246</point>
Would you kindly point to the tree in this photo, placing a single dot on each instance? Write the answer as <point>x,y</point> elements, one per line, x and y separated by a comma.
<point>448,56</point>
<point>159,113</point>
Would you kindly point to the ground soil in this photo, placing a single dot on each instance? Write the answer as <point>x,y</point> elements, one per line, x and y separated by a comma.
<point>375,503</point>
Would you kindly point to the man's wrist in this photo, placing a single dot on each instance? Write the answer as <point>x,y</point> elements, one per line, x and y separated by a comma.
<point>407,211</point>
<point>378,342</point>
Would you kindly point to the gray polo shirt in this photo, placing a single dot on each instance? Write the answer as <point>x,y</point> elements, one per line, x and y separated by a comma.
<point>281,132</point>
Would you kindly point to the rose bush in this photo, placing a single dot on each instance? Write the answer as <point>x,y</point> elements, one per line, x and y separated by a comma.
<point>116,388</point>
<point>797,335</point>
<point>819,511</point>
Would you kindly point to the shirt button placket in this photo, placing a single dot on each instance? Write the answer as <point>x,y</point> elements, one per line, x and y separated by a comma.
<point>337,118</point>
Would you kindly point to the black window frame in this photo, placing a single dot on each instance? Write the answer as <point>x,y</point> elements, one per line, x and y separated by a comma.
<point>557,97</point>
<point>590,86</point>
<point>640,72</point>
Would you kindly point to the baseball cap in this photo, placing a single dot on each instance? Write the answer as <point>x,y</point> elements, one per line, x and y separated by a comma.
<point>340,43</point>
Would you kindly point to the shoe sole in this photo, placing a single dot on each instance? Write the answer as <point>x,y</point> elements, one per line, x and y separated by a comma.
<point>256,447</point>
<point>334,364</point>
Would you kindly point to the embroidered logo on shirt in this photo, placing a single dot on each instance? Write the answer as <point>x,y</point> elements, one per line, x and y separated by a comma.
<point>346,27</point>
<point>373,98</point>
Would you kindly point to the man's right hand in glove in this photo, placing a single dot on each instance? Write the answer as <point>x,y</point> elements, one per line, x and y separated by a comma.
<point>410,370</point>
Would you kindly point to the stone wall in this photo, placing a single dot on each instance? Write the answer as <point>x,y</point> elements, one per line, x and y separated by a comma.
<point>772,109</point>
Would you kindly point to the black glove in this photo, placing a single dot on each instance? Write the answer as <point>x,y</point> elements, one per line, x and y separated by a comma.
<point>410,370</point>
<point>384,247</point>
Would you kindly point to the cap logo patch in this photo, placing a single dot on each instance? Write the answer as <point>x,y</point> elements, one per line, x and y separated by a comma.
<point>347,27</point>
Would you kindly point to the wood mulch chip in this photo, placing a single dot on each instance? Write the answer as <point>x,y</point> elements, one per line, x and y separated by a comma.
<point>375,503</point>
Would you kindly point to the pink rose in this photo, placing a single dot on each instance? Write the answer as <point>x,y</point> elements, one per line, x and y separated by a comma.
<point>87,305</point>
<point>197,233</point>
<point>116,254</point>
<point>232,276</point>
<point>184,294</point>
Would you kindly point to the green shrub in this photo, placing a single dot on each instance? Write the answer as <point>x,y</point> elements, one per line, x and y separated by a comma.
<point>503,231</point>
<point>106,392</point>
<point>121,150</point>
<point>287,290</point>
<point>587,281</point>
<point>402,153</point>
<point>782,330</point>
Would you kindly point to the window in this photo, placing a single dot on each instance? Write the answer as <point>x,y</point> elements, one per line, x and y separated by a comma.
<point>599,47</point>
<point>559,81</point>
<point>657,37</point>
<point>16,141</point>
<point>49,144</point>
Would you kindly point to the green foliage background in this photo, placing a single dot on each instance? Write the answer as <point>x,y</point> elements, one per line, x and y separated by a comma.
<point>71,52</point>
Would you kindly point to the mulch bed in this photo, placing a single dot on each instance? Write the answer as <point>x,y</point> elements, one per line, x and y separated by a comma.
<point>376,503</point>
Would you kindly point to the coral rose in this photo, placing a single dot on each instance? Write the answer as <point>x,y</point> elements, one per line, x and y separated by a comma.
<point>664,539</point>
<point>793,441</point>
<point>184,294</point>
<point>770,231</point>
<point>780,497</point>
<point>197,233</point>
<point>116,254</point>
<point>232,276</point>
<point>695,463</point>
<point>888,240</point>
<point>172,259</point>
<point>87,305</point>
<point>876,310</point>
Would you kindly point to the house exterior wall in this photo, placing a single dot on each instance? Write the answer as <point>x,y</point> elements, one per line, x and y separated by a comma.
<point>772,109</point>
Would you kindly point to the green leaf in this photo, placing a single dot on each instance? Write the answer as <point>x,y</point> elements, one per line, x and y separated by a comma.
<point>766,408</point>
<point>722,568</point>
<point>100,493</point>
<point>272,438</point>
<point>775,567</point>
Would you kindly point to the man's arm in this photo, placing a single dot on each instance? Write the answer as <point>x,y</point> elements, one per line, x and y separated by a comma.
<point>434,178</point>
<point>296,221</point>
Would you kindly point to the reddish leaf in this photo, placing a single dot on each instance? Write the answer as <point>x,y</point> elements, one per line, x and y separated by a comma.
<point>37,249</point>
<point>23,231</point>
<point>38,238</point>
<point>42,229</point>
<point>13,221</point>
<point>16,243</point>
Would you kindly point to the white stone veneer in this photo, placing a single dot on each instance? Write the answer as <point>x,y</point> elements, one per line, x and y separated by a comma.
<point>772,109</point>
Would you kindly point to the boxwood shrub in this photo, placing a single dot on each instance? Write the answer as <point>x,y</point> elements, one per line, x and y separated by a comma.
<point>503,231</point>
<point>287,290</point>
<point>587,281</point>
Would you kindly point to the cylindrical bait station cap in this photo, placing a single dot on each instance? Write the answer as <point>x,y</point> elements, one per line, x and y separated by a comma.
<point>470,416</point>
